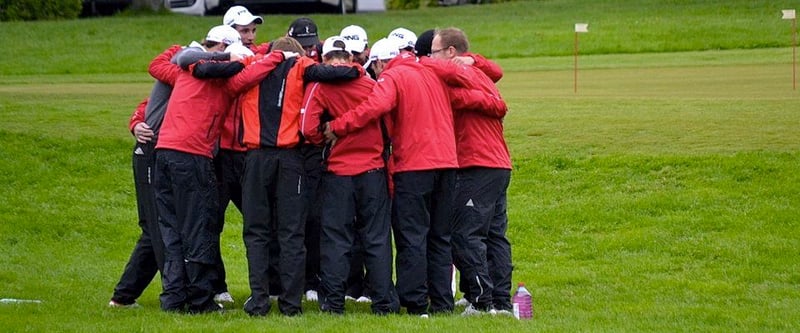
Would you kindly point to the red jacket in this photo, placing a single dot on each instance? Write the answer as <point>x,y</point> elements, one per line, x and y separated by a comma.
<point>466,92</point>
<point>262,48</point>
<point>260,66</point>
<point>229,137</point>
<point>162,69</point>
<point>492,70</point>
<point>479,111</point>
<point>418,105</point>
<point>271,102</point>
<point>357,152</point>
<point>138,115</point>
<point>194,115</point>
<point>479,132</point>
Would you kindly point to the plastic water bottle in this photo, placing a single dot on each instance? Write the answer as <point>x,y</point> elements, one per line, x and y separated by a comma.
<point>522,303</point>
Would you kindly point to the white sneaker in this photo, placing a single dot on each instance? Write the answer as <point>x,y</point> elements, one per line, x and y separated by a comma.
<point>112,304</point>
<point>349,298</point>
<point>223,298</point>
<point>424,316</point>
<point>472,311</point>
<point>364,299</point>
<point>312,296</point>
<point>462,302</point>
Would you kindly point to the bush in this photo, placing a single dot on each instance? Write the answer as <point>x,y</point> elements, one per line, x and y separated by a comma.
<point>403,4</point>
<point>31,10</point>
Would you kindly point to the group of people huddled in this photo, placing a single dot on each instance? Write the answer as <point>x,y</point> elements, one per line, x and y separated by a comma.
<point>336,154</point>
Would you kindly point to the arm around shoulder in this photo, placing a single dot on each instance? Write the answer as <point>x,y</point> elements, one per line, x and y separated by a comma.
<point>161,68</point>
<point>380,101</point>
<point>254,73</point>
<point>490,68</point>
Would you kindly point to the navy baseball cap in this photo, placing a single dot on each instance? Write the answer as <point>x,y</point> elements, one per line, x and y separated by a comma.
<point>304,30</point>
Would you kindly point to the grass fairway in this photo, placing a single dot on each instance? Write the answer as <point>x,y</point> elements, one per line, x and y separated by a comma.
<point>663,196</point>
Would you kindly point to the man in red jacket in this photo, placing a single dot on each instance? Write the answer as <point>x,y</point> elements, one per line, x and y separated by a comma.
<point>424,161</point>
<point>481,250</point>
<point>354,191</point>
<point>145,124</point>
<point>186,193</point>
<point>272,184</point>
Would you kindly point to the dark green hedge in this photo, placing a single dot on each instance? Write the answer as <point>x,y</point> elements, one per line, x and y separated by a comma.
<point>31,10</point>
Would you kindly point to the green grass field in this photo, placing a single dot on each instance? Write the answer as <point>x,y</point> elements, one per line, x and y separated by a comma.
<point>662,196</point>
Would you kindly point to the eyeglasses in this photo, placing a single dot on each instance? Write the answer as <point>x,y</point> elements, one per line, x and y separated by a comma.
<point>439,50</point>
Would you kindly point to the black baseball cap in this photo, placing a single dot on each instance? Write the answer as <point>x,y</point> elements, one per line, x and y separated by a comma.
<point>424,42</point>
<point>304,30</point>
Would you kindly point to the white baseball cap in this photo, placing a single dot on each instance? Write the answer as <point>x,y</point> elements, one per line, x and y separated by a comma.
<point>239,49</point>
<point>223,34</point>
<point>239,15</point>
<point>383,49</point>
<point>334,43</point>
<point>403,38</point>
<point>355,37</point>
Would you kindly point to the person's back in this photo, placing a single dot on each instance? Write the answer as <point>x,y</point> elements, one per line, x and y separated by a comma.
<point>271,110</point>
<point>272,192</point>
<point>423,169</point>
<point>353,189</point>
<point>481,250</point>
<point>423,137</point>
<point>480,140</point>
<point>184,184</point>
<point>195,111</point>
<point>355,153</point>
<point>424,111</point>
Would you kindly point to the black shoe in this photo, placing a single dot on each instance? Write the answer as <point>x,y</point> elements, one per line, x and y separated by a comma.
<point>254,309</point>
<point>327,308</point>
<point>208,308</point>
<point>292,313</point>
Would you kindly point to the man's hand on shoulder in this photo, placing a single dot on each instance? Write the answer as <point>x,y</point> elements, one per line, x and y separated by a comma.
<point>464,60</point>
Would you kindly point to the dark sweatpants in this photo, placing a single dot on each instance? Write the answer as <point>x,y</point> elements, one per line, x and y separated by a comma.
<point>313,164</point>
<point>357,284</point>
<point>186,195</point>
<point>480,199</point>
<point>228,168</point>
<point>356,207</point>
<point>148,255</point>
<point>421,216</point>
<point>273,190</point>
<point>498,255</point>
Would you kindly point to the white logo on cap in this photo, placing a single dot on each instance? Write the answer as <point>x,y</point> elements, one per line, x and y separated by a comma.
<point>232,18</point>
